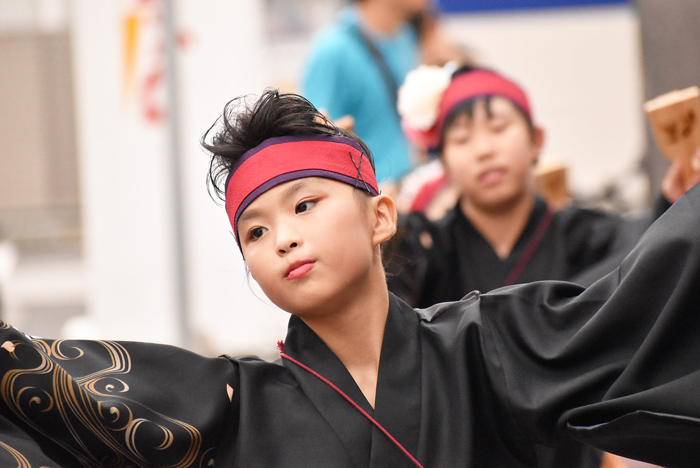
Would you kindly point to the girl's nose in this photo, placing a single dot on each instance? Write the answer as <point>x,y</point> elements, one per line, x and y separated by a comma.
<point>287,239</point>
<point>284,250</point>
<point>483,145</point>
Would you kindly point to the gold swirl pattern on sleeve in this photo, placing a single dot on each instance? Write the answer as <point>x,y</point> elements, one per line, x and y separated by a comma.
<point>22,462</point>
<point>91,415</point>
<point>207,459</point>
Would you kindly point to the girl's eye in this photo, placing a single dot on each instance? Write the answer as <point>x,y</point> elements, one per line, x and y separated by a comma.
<point>256,233</point>
<point>305,206</point>
<point>462,139</point>
<point>498,127</point>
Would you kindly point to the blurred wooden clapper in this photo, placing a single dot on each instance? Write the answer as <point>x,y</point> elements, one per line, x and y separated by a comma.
<point>551,181</point>
<point>675,121</point>
<point>346,122</point>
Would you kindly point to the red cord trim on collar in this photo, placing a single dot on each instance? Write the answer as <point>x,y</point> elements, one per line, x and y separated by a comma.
<point>530,248</point>
<point>350,400</point>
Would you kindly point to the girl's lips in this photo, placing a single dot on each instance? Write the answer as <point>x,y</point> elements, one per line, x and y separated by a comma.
<point>491,176</point>
<point>299,269</point>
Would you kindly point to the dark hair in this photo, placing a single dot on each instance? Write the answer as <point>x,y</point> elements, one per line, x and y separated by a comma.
<point>245,124</point>
<point>467,108</point>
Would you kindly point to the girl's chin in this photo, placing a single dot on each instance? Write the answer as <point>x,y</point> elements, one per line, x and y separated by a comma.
<point>497,201</point>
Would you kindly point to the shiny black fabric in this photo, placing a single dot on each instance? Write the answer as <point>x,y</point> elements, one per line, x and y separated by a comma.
<point>474,383</point>
<point>579,245</point>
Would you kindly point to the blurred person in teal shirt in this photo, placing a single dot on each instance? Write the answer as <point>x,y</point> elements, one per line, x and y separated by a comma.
<point>355,68</point>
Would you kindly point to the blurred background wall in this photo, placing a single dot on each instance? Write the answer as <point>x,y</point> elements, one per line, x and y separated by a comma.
<point>39,189</point>
<point>106,226</point>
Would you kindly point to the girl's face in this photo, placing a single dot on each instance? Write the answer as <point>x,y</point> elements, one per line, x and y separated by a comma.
<point>491,158</point>
<point>309,243</point>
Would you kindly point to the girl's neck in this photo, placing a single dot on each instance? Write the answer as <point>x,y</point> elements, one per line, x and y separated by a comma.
<point>500,227</point>
<point>355,331</point>
<point>381,17</point>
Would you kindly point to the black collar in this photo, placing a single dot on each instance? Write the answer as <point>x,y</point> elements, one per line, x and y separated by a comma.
<point>397,405</point>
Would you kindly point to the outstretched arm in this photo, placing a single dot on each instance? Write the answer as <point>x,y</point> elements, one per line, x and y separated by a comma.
<point>95,403</point>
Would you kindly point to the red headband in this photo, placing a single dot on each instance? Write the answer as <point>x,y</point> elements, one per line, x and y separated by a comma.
<point>281,159</point>
<point>464,87</point>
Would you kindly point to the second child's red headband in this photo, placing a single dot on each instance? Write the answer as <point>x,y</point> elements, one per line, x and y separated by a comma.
<point>282,159</point>
<point>466,86</point>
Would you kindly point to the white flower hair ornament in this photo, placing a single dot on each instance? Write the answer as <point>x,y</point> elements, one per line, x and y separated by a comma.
<point>419,99</point>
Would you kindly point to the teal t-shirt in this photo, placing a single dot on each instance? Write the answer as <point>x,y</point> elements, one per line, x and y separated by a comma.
<point>342,77</point>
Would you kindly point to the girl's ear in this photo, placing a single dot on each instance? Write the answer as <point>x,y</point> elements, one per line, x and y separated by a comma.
<point>538,139</point>
<point>385,218</point>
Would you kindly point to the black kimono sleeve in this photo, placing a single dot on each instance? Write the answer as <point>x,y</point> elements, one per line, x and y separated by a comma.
<point>409,258</point>
<point>598,242</point>
<point>617,364</point>
<point>104,403</point>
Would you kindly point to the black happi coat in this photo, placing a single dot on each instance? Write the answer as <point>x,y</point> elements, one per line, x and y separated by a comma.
<point>431,262</point>
<point>475,383</point>
<point>573,244</point>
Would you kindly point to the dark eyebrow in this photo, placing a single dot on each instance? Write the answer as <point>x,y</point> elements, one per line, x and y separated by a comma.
<point>248,214</point>
<point>294,188</point>
<point>291,190</point>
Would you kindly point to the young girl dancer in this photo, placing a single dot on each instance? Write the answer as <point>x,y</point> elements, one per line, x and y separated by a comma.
<point>365,380</point>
